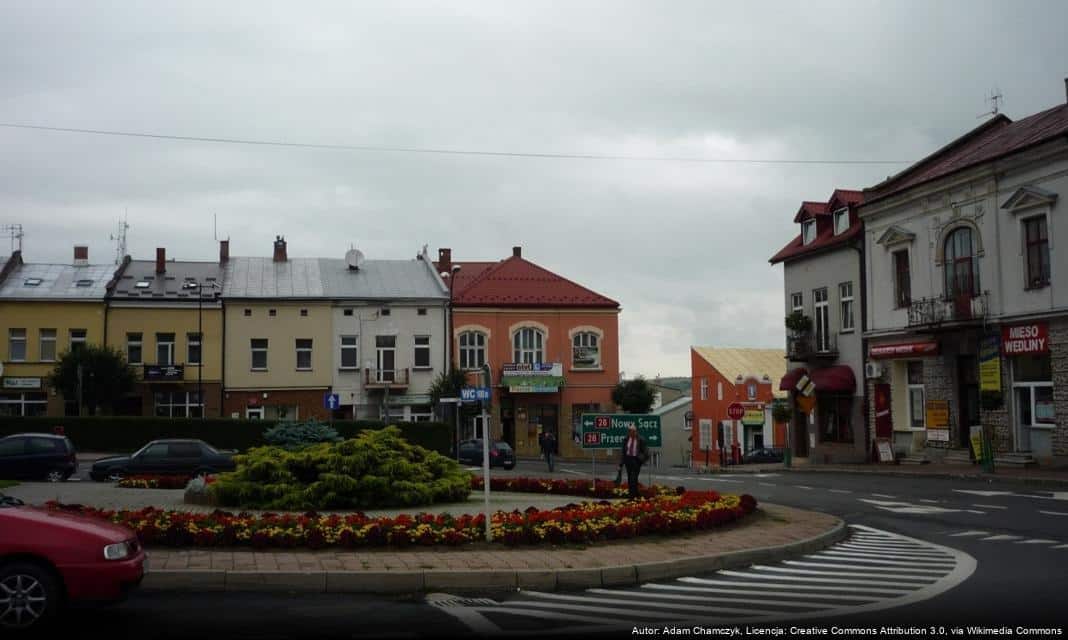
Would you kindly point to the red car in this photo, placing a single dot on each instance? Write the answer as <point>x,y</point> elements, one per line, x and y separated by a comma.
<point>50,558</point>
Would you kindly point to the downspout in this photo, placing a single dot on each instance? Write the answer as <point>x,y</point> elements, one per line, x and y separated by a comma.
<point>863,259</point>
<point>222,372</point>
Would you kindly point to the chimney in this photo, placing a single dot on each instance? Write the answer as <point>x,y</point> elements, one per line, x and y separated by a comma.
<point>280,249</point>
<point>224,251</point>
<point>161,260</point>
<point>517,252</point>
<point>81,256</point>
<point>445,260</point>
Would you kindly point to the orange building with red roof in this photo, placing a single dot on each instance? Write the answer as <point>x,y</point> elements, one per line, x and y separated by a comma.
<point>552,347</point>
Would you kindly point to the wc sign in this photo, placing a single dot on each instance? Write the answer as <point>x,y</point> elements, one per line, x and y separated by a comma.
<point>1023,339</point>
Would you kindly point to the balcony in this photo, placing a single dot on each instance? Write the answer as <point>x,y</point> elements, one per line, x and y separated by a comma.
<point>385,378</point>
<point>805,347</point>
<point>929,312</point>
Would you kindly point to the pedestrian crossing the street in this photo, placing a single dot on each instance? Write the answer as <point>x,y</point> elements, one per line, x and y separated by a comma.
<point>870,570</point>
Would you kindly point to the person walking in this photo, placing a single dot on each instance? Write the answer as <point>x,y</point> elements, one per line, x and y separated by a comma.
<point>633,455</point>
<point>548,447</point>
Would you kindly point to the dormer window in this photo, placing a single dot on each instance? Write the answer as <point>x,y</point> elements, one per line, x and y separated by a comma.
<point>841,221</point>
<point>84,283</point>
<point>143,284</point>
<point>808,231</point>
<point>33,282</point>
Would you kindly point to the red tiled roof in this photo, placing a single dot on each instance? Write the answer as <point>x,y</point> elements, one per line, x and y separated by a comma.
<point>517,282</point>
<point>809,209</point>
<point>847,197</point>
<point>825,239</point>
<point>993,139</point>
<point>468,273</point>
<point>824,229</point>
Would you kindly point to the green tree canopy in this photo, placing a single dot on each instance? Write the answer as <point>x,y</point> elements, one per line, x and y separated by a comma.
<point>106,377</point>
<point>635,396</point>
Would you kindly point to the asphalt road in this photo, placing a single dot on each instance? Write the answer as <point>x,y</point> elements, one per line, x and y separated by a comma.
<point>1017,536</point>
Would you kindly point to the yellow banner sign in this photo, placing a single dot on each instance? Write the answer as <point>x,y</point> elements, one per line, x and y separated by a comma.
<point>753,417</point>
<point>937,414</point>
<point>990,364</point>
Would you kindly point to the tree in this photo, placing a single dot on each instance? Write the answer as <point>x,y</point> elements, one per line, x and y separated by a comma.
<point>106,377</point>
<point>447,385</point>
<point>635,396</point>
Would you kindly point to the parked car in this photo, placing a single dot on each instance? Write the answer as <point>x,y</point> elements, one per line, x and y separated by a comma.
<point>501,454</point>
<point>37,456</point>
<point>51,558</point>
<point>762,455</point>
<point>165,457</point>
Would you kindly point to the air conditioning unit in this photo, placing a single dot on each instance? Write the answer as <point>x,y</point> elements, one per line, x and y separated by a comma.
<point>873,370</point>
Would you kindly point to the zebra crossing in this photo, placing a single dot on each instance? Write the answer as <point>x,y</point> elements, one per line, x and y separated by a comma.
<point>869,571</point>
<point>987,536</point>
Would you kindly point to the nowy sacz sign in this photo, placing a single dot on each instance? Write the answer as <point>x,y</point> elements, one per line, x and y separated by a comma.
<point>1024,339</point>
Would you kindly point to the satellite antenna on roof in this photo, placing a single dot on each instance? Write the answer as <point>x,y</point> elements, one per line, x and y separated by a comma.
<point>354,258</point>
<point>13,231</point>
<point>995,98</point>
<point>120,239</point>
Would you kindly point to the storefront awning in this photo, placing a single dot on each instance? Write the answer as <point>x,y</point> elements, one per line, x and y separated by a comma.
<point>789,381</point>
<point>533,384</point>
<point>904,349</point>
<point>838,378</point>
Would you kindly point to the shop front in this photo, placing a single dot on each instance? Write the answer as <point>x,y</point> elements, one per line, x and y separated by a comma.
<point>530,405</point>
<point>1028,355</point>
<point>828,427</point>
<point>276,404</point>
<point>23,397</point>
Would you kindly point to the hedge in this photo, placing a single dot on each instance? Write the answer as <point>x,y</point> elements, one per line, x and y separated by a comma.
<point>123,434</point>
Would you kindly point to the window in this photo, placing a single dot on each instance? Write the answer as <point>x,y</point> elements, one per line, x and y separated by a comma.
<point>77,338</point>
<point>420,413</point>
<point>704,388</point>
<point>917,406</point>
<point>823,320</point>
<point>303,313</point>
<point>386,347</point>
<point>1032,383</point>
<point>48,345</point>
<point>11,446</point>
<point>304,354</point>
<point>347,312</point>
<point>751,390</point>
<point>808,231</point>
<point>961,265</point>
<point>719,390</point>
<point>23,405</point>
<point>16,345</point>
<point>902,280</point>
<point>841,221</point>
<point>350,355</point>
<point>133,348</point>
<point>421,311</point>
<point>193,352</point>
<point>704,442</point>
<point>1036,238</point>
<point>178,404</point>
<point>845,294</point>
<point>834,418</point>
<point>84,283</point>
<point>797,301</point>
<point>164,348</point>
<point>472,350</point>
<point>386,312</point>
<point>585,351</point>
<point>272,312</point>
<point>32,282</point>
<point>248,313</point>
<point>422,352</point>
<point>259,354</point>
<point>528,346</point>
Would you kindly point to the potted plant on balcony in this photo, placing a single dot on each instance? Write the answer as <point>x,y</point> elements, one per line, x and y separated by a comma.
<point>798,323</point>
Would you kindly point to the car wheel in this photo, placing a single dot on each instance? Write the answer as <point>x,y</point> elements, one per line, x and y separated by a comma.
<point>509,467</point>
<point>29,595</point>
<point>56,475</point>
<point>114,475</point>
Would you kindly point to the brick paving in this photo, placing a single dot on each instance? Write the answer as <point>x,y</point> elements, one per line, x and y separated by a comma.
<point>772,525</point>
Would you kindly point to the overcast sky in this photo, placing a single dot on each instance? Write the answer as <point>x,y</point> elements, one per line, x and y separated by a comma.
<point>682,246</point>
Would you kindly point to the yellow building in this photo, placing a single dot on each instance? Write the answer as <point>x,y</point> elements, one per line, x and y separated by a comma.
<point>45,311</point>
<point>167,318</point>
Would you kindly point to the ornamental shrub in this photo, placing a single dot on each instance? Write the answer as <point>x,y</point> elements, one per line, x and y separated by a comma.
<point>294,435</point>
<point>375,469</point>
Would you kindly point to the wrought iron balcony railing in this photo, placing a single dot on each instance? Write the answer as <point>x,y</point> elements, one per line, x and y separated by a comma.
<point>808,346</point>
<point>382,378</point>
<point>934,311</point>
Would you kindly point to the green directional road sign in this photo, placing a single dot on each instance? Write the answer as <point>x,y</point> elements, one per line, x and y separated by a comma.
<point>609,430</point>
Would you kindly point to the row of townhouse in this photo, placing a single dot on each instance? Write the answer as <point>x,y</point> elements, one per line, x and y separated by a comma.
<point>934,304</point>
<point>272,338</point>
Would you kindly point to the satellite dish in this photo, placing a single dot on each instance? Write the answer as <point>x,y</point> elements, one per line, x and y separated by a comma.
<point>354,258</point>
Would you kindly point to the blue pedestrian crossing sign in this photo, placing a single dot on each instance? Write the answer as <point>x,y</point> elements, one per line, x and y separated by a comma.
<point>331,401</point>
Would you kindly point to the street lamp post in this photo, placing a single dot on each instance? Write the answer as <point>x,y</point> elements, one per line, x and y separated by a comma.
<point>451,275</point>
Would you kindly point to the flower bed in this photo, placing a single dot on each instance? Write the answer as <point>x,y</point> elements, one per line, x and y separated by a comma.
<point>601,489</point>
<point>585,523</point>
<point>154,482</point>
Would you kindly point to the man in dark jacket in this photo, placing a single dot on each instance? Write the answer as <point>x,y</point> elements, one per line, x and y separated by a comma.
<point>632,456</point>
<point>548,447</point>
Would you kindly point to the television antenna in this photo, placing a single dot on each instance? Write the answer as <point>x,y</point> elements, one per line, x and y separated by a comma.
<point>14,232</point>
<point>995,98</point>
<point>120,239</point>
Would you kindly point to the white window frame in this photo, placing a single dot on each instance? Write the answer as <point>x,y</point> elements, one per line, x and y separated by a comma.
<point>797,301</point>
<point>847,307</point>
<point>50,340</point>
<point>1030,386</point>
<point>751,390</point>
<point>528,345</point>
<point>354,346</point>
<point>16,337</point>
<point>194,339</point>
<point>822,328</point>
<point>79,340</point>
<point>705,440</point>
<point>586,340</point>
<point>923,400</point>
<point>704,388</point>
<point>417,348</point>
<point>161,343</point>
<point>841,214</point>
<point>21,400</point>
<point>380,352</point>
<point>1025,250</point>
<point>719,390</point>
<point>304,351</point>
<point>140,343</point>
<point>472,346</point>
<point>808,232</point>
<point>187,403</point>
<point>253,350</point>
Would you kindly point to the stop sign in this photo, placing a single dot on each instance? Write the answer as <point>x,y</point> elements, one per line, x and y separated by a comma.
<point>735,411</point>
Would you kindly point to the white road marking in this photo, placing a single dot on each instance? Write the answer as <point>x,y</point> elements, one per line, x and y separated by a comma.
<point>1053,513</point>
<point>1037,541</point>
<point>1063,546</point>
<point>914,561</point>
<point>800,604</point>
<point>878,551</point>
<point>1000,538</point>
<point>793,587</point>
<point>929,501</point>
<point>649,604</point>
<point>837,581</point>
<point>839,491</point>
<point>801,563</point>
<point>766,484</point>
<point>801,486</point>
<point>914,509</point>
<point>855,574</point>
<point>710,589</point>
<point>989,506</point>
<point>883,495</point>
<point>577,473</point>
<point>969,533</point>
<point>985,494</point>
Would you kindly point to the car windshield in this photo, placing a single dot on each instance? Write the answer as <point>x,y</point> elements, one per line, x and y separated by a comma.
<point>503,446</point>
<point>208,448</point>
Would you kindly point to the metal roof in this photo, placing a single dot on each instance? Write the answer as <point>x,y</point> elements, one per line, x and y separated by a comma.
<point>677,403</point>
<point>57,282</point>
<point>140,281</point>
<point>303,278</point>
<point>747,362</point>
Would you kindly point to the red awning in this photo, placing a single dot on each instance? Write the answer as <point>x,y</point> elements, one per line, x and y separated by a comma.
<point>789,381</point>
<point>838,378</point>
<point>904,349</point>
